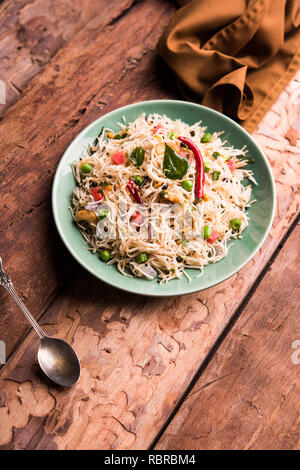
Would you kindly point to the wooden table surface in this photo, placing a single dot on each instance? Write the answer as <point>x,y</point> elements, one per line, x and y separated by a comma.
<point>218,369</point>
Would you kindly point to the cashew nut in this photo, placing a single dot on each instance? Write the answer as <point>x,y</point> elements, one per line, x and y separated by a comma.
<point>86,216</point>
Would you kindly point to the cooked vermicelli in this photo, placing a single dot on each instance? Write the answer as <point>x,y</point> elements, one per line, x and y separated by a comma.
<point>145,202</point>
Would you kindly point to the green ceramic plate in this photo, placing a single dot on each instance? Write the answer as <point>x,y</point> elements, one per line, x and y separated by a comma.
<point>260,214</point>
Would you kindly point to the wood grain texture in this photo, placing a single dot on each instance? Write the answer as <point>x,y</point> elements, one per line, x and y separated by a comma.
<point>248,396</point>
<point>32,31</point>
<point>58,103</point>
<point>138,355</point>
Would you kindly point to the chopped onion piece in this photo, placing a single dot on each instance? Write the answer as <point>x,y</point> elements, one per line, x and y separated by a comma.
<point>91,206</point>
<point>77,192</point>
<point>146,271</point>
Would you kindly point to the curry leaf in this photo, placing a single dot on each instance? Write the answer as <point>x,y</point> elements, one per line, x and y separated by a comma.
<point>174,166</point>
<point>137,156</point>
<point>102,132</point>
<point>121,136</point>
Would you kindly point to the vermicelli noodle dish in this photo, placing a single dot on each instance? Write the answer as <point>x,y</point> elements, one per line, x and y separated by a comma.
<point>160,196</point>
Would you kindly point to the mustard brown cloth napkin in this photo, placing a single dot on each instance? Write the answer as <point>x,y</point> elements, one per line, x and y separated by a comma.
<point>235,56</point>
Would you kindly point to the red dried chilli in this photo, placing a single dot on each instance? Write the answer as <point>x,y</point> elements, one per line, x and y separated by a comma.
<point>199,179</point>
<point>134,192</point>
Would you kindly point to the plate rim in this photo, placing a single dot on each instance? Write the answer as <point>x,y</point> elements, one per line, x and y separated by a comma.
<point>187,290</point>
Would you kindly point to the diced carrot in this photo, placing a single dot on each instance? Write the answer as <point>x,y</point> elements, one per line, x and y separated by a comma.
<point>118,158</point>
<point>160,148</point>
<point>137,218</point>
<point>97,194</point>
<point>186,154</point>
<point>213,236</point>
<point>156,128</point>
<point>231,165</point>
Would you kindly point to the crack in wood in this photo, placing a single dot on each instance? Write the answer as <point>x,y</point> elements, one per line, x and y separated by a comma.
<point>125,12</point>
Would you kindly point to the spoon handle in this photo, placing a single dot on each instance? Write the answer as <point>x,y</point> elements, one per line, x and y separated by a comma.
<point>5,282</point>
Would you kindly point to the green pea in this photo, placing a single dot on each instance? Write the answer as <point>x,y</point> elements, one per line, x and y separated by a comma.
<point>138,180</point>
<point>207,231</point>
<point>86,168</point>
<point>215,175</point>
<point>141,258</point>
<point>206,137</point>
<point>235,224</point>
<point>105,255</point>
<point>206,167</point>
<point>173,135</point>
<point>187,185</point>
<point>216,155</point>
<point>102,213</point>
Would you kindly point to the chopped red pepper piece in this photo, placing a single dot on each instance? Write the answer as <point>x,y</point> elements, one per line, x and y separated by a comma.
<point>132,187</point>
<point>213,236</point>
<point>156,128</point>
<point>97,194</point>
<point>231,165</point>
<point>118,158</point>
<point>186,154</point>
<point>137,218</point>
<point>199,180</point>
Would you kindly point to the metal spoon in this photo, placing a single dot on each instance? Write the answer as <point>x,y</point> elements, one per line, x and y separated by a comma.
<point>56,357</point>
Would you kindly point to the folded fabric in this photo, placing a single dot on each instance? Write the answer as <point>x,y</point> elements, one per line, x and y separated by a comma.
<point>234,56</point>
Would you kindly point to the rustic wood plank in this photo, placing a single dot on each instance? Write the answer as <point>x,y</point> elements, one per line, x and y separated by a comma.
<point>248,396</point>
<point>32,31</point>
<point>58,103</point>
<point>138,355</point>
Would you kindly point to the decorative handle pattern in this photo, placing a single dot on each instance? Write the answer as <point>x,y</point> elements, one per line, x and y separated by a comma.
<point>5,280</point>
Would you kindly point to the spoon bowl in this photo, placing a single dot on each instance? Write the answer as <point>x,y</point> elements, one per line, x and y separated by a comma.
<point>57,358</point>
<point>59,361</point>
